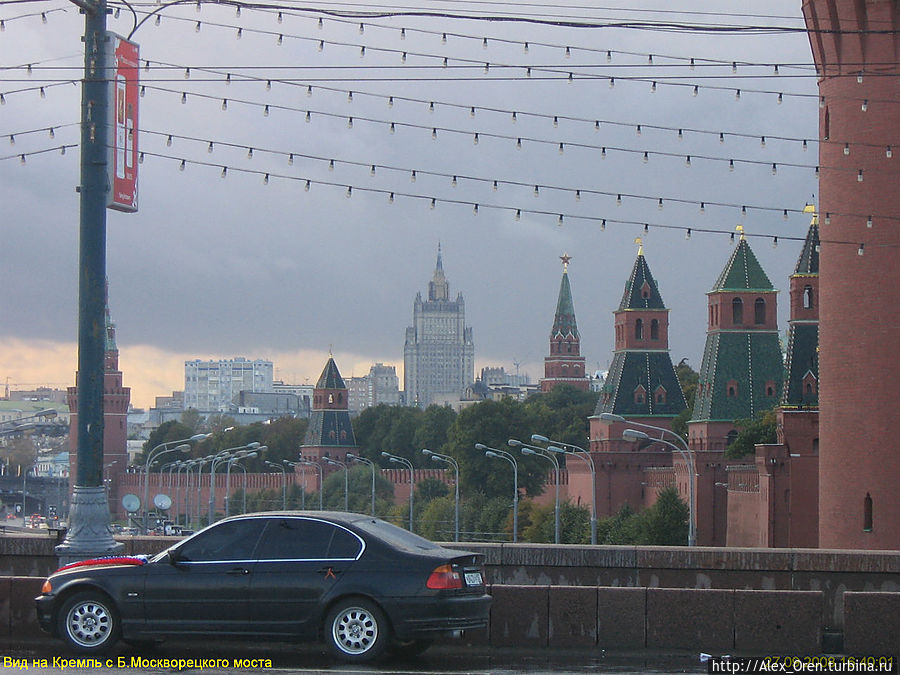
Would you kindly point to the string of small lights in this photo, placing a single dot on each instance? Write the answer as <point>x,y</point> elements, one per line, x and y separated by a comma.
<point>495,183</point>
<point>520,141</point>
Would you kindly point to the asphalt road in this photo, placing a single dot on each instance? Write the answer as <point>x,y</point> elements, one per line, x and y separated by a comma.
<point>277,658</point>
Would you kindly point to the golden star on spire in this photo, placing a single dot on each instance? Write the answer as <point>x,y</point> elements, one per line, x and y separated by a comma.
<point>640,242</point>
<point>565,257</point>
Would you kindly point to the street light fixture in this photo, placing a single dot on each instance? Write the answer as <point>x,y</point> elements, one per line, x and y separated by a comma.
<point>236,457</point>
<point>217,458</point>
<point>539,452</point>
<point>363,460</point>
<point>447,459</point>
<point>502,454</point>
<point>335,462</point>
<point>318,468</point>
<point>281,468</point>
<point>584,456</point>
<point>635,435</point>
<point>412,481</point>
<point>182,445</point>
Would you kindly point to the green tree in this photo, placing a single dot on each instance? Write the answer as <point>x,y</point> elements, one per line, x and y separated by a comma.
<point>492,423</point>
<point>19,454</point>
<point>622,528</point>
<point>437,519</point>
<point>759,430</point>
<point>166,433</point>
<point>433,426</point>
<point>574,524</point>
<point>666,522</point>
<point>192,419</point>
<point>429,489</point>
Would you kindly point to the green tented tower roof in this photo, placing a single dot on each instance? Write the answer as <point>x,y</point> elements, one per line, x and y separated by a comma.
<point>743,272</point>
<point>641,291</point>
<point>564,321</point>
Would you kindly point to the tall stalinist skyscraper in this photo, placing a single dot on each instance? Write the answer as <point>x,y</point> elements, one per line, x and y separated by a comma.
<point>439,355</point>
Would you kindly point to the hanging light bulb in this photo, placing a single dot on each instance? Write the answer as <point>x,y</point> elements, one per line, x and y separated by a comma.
<point>187,73</point>
<point>266,111</point>
<point>687,161</point>
<point>372,170</point>
<point>197,27</point>
<point>743,211</point>
<point>62,150</point>
<point>612,82</point>
<point>268,85</point>
<point>559,221</point>
<point>646,157</point>
<point>237,12</point>
<point>168,141</point>
<point>731,165</point>
<point>475,209</point>
<point>805,145</point>
<point>653,87</point>
<point>393,128</point>
<point>331,165</point>
<point>321,45</point>
<point>158,20</point>
<point>349,192</point>
<point>888,152</point>
<point>637,129</point>
<point>291,159</point>
<point>518,144</point>
<point>182,165</point>
<point>869,222</point>
<point>608,55</point>
<point>280,39</point>
<point>43,93</point>
<point>603,225</point>
<point>453,181</point>
<point>525,47</point>
<point>487,67</point>
<point>391,198</point>
<point>22,159</point>
<point>603,152</point>
<point>349,122</point>
<point>309,90</point>
<point>362,51</point>
<point>403,57</point>
<point>821,101</point>
<point>224,171</point>
<point>209,148</point>
<point>774,168</point>
<point>561,148</point>
<point>859,176</point>
<point>475,139</point>
<point>762,141</point>
<point>596,125</point>
<point>696,90</point>
<point>537,191</point>
<point>780,98</point>
<point>737,94</point>
<point>433,133</point>
<point>412,176</point>
<point>515,117</point>
<point>687,234</point>
<point>619,200</point>
<point>774,242</point>
<point>183,98</point>
<point>646,228</point>
<point>224,104</point>
<point>865,105</point>
<point>402,33</point>
<point>484,43</point>
<point>43,20</point>
<point>861,249</point>
<point>785,214</point>
<point>308,116</point>
<point>143,90</point>
<point>433,202</point>
<point>307,186</point>
<point>446,62</point>
<point>828,218</point>
<point>279,18</point>
<point>12,139</point>
<point>659,204</point>
<point>141,158</point>
<point>362,28</point>
<point>555,120</point>
<point>472,111</point>
<point>249,153</point>
<point>577,195</point>
<point>702,208</point>
<point>495,186</point>
<point>52,133</point>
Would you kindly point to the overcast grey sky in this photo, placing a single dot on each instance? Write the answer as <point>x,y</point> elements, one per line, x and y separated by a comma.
<point>213,267</point>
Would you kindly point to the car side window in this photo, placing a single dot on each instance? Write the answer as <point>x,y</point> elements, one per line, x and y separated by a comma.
<point>305,539</point>
<point>232,540</point>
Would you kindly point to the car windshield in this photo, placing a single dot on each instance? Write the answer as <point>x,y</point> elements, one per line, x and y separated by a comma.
<point>394,535</point>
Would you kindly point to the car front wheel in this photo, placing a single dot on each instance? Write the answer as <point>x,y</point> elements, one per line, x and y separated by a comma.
<point>88,622</point>
<point>356,630</point>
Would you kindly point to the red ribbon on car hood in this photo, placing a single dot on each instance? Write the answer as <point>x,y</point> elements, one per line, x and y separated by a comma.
<point>109,560</point>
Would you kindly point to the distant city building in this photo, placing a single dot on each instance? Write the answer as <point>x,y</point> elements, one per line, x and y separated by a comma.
<point>439,354</point>
<point>565,364</point>
<point>384,385</point>
<point>211,386</point>
<point>498,377</point>
<point>357,394</point>
<point>45,394</point>
<point>303,391</point>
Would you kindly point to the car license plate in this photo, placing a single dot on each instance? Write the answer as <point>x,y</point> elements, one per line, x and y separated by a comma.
<point>473,579</point>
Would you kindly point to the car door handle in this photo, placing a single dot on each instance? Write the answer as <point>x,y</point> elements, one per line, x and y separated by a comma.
<point>238,570</point>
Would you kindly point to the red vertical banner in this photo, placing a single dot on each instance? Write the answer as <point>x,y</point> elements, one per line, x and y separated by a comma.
<point>122,160</point>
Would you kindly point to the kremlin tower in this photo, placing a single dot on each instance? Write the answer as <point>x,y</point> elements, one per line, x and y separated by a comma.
<point>564,365</point>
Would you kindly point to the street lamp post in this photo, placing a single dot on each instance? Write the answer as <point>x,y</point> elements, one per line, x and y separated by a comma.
<point>584,456</point>
<point>281,468</point>
<point>343,465</point>
<point>539,452</point>
<point>363,460</point>
<point>318,468</point>
<point>502,454</point>
<point>412,480</point>
<point>447,459</point>
<point>217,458</point>
<point>182,445</point>
<point>200,463</point>
<point>635,435</point>
<point>686,452</point>
<point>235,458</point>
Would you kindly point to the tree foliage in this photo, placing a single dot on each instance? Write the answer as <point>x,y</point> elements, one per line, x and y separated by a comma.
<point>759,430</point>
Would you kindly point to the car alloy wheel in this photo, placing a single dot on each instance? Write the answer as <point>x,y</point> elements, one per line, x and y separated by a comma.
<point>88,622</point>
<point>357,630</point>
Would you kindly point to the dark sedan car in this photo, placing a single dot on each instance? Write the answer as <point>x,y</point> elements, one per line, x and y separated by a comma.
<point>360,584</point>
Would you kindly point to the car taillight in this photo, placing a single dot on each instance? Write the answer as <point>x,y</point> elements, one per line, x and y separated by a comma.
<point>444,578</point>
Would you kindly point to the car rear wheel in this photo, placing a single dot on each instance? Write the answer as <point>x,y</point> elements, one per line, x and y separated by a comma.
<point>356,630</point>
<point>88,622</point>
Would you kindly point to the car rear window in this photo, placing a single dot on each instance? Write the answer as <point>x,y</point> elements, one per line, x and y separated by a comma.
<point>396,536</point>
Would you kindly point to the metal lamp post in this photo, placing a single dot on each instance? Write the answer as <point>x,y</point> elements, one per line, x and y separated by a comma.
<point>281,468</point>
<point>412,480</point>
<point>502,454</point>
<point>216,460</point>
<point>539,452</point>
<point>447,459</point>
<point>635,435</point>
<point>163,448</point>
<point>343,465</point>
<point>318,468</point>
<point>234,458</point>
<point>584,456</point>
<point>363,460</point>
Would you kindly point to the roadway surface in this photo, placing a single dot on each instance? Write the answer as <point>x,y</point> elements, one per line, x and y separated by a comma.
<point>277,658</point>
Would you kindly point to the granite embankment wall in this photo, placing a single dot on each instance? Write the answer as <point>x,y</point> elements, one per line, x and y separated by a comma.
<point>717,600</point>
